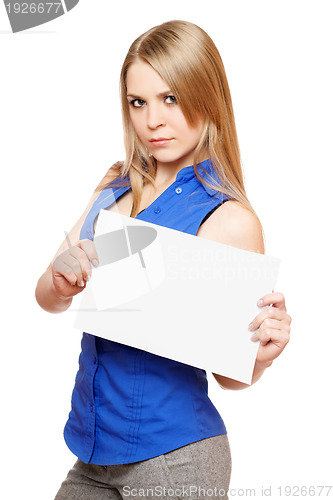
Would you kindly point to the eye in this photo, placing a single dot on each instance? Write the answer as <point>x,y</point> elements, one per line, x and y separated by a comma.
<point>137,103</point>
<point>170,99</point>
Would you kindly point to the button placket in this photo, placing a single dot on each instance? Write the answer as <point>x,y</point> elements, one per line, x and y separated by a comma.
<point>158,208</point>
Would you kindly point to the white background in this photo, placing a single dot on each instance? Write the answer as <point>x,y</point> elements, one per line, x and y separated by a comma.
<point>60,130</point>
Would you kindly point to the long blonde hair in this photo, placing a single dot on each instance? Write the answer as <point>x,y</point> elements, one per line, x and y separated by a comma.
<point>187,59</point>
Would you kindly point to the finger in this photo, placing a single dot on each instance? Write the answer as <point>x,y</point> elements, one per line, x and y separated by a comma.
<point>79,263</point>
<point>65,271</point>
<point>275,299</point>
<point>271,323</point>
<point>269,312</point>
<point>84,262</point>
<point>89,248</point>
<point>279,338</point>
<point>269,352</point>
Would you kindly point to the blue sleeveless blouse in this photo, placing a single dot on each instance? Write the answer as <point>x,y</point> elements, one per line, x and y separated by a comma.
<point>128,404</point>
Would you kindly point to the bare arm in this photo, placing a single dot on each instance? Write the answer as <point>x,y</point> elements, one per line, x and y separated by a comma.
<point>46,294</point>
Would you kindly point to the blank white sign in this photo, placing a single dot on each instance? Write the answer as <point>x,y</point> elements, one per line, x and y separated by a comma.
<point>176,295</point>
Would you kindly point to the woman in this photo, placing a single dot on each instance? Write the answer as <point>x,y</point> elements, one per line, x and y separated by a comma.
<point>141,422</point>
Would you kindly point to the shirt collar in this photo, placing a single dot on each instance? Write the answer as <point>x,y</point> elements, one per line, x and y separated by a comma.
<point>204,168</point>
<point>187,173</point>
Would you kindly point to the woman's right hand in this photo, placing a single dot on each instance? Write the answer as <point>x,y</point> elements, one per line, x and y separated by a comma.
<point>72,268</point>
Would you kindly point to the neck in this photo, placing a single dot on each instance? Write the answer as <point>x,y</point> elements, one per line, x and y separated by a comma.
<point>166,173</point>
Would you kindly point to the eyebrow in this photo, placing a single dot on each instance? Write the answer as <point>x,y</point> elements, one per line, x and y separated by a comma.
<point>160,94</point>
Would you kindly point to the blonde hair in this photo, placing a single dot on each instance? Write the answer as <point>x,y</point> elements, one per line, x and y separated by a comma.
<point>187,59</point>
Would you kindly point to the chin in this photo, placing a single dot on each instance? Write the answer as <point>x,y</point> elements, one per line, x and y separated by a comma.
<point>167,157</point>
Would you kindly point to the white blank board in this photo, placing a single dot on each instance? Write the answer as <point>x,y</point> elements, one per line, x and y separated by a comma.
<point>176,295</point>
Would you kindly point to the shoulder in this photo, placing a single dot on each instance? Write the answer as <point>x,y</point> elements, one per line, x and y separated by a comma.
<point>74,233</point>
<point>233,224</point>
<point>112,174</point>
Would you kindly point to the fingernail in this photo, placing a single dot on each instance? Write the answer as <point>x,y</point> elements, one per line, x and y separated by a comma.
<point>251,326</point>
<point>95,262</point>
<point>88,277</point>
<point>260,302</point>
<point>254,337</point>
<point>81,283</point>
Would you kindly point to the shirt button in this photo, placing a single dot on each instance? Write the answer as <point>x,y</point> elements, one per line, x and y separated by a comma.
<point>95,360</point>
<point>157,210</point>
<point>91,408</point>
<point>178,190</point>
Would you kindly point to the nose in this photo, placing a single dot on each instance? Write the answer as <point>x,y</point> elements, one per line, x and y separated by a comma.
<point>155,116</point>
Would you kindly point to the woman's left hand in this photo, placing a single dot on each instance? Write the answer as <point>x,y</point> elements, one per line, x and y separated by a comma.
<point>273,328</point>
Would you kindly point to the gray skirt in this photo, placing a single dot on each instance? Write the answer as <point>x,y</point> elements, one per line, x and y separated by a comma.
<point>196,471</point>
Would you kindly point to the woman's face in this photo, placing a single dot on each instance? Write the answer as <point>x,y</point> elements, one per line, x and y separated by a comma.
<point>157,118</point>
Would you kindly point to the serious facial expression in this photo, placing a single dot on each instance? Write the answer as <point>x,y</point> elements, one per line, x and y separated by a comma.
<point>158,119</point>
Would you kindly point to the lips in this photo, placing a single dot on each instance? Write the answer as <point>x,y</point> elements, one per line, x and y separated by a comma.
<point>159,141</point>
